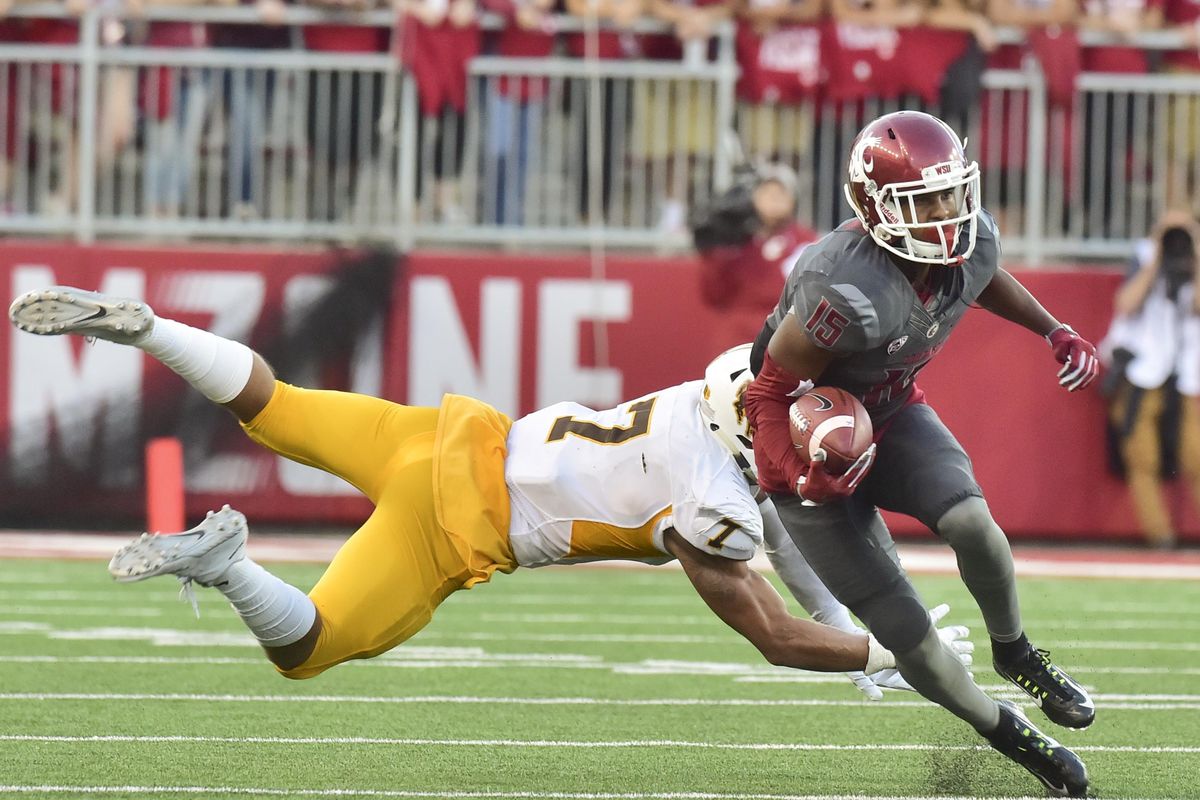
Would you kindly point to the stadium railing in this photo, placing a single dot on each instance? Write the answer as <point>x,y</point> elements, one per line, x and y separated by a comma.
<point>176,143</point>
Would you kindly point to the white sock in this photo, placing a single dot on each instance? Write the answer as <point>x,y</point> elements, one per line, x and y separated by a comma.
<point>218,368</point>
<point>277,613</point>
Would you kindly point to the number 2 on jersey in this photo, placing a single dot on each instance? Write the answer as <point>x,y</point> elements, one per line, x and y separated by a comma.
<point>617,434</point>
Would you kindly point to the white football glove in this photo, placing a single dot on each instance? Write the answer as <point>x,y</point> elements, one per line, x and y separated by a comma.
<point>953,636</point>
<point>866,683</point>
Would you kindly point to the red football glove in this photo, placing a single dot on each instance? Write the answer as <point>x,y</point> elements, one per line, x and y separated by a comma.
<point>1077,355</point>
<point>818,486</point>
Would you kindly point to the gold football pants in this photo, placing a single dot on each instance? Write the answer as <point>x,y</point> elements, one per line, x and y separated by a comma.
<point>386,580</point>
<point>1143,465</point>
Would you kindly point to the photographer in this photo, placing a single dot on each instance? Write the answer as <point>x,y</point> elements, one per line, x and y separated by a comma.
<point>746,238</point>
<point>1153,383</point>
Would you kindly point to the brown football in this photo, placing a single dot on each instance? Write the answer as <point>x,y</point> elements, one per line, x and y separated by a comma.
<point>830,419</point>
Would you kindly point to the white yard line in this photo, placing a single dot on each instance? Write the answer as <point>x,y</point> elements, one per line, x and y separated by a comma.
<point>79,611</point>
<point>1187,623</point>
<point>1032,561</point>
<point>1114,705</point>
<point>447,658</point>
<point>669,638</point>
<point>419,659</point>
<point>481,795</point>
<point>550,743</point>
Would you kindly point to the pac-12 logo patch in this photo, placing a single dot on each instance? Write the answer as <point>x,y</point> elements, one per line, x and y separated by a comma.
<point>895,346</point>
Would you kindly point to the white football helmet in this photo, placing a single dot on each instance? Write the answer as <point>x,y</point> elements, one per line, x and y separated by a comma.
<point>725,382</point>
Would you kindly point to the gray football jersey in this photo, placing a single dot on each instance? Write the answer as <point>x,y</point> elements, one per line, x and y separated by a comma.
<point>852,299</point>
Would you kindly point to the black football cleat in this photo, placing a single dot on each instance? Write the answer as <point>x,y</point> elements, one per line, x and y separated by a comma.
<point>1055,766</point>
<point>1061,699</point>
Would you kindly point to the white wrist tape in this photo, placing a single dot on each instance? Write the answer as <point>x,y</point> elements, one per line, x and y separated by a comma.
<point>878,656</point>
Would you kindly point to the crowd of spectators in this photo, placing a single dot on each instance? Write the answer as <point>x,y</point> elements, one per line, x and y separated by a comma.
<point>789,51</point>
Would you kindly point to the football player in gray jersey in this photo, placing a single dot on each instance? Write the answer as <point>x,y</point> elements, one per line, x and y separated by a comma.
<point>864,309</point>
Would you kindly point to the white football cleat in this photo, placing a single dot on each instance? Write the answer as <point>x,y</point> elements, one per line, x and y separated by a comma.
<point>64,309</point>
<point>202,554</point>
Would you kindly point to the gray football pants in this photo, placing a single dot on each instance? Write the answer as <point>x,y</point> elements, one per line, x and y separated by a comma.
<point>920,470</point>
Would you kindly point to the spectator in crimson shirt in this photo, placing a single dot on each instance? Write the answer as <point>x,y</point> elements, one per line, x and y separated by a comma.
<point>1048,16</point>
<point>439,38</point>
<point>865,47</point>
<point>1049,23</point>
<point>780,55</point>
<point>778,67</point>
<point>960,35</point>
<point>747,238</point>
<point>343,112</point>
<point>1126,19</point>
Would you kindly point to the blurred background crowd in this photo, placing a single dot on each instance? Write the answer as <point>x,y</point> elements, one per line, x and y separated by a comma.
<point>347,118</point>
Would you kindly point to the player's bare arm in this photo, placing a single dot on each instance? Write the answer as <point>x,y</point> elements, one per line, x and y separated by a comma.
<point>746,602</point>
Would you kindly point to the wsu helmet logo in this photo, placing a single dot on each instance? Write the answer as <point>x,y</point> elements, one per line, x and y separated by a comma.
<point>859,165</point>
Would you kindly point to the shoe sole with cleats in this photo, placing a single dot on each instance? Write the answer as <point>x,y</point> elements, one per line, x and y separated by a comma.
<point>202,554</point>
<point>61,310</point>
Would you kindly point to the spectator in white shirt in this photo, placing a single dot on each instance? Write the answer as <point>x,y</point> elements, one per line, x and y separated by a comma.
<point>1153,349</point>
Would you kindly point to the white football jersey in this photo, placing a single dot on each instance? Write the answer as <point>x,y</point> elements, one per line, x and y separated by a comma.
<point>590,485</point>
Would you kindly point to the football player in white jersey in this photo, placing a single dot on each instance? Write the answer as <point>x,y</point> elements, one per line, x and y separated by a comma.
<point>460,492</point>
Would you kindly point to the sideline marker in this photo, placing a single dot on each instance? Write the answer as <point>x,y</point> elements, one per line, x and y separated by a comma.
<point>164,485</point>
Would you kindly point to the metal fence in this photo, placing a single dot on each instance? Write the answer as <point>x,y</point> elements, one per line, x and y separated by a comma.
<point>127,141</point>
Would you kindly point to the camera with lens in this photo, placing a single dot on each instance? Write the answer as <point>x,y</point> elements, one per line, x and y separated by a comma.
<point>729,218</point>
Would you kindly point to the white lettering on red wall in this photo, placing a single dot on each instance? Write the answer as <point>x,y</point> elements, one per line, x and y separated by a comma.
<point>88,396</point>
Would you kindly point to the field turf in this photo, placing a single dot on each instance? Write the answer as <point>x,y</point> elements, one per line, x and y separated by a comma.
<point>565,683</point>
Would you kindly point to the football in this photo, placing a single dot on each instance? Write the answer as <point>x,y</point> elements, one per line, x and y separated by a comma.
<point>830,419</point>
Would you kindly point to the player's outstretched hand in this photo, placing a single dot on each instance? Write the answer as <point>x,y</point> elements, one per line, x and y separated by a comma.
<point>954,636</point>
<point>1077,355</point>
<point>819,486</point>
<point>866,683</point>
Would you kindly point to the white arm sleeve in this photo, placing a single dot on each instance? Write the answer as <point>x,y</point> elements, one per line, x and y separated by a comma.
<point>798,576</point>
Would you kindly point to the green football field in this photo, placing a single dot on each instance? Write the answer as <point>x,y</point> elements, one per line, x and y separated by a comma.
<point>558,683</point>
